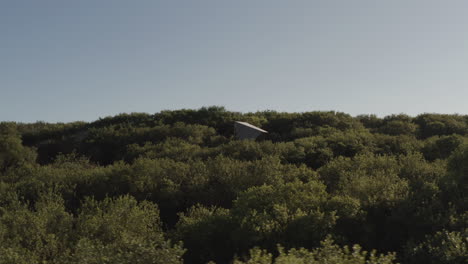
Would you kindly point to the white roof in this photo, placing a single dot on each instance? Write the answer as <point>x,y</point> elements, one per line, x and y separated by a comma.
<point>251,126</point>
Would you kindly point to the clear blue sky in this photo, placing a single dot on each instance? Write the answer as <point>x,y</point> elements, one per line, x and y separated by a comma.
<point>81,60</point>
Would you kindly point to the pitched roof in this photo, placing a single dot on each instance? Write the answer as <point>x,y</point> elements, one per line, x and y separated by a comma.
<point>251,126</point>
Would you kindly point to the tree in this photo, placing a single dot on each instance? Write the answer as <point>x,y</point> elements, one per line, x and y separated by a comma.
<point>122,231</point>
<point>293,214</point>
<point>206,233</point>
<point>12,153</point>
<point>328,253</point>
<point>443,247</point>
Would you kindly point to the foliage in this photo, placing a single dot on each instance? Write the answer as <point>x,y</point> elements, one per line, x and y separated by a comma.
<point>327,253</point>
<point>443,247</point>
<point>205,232</point>
<point>177,186</point>
<point>12,153</point>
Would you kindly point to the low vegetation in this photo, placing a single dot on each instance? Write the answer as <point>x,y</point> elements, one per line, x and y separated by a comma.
<point>178,187</point>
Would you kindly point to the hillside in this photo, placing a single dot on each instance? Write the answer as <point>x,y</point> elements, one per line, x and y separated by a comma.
<point>177,186</point>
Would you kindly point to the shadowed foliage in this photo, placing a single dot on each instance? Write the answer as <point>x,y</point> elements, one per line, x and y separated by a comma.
<point>179,187</point>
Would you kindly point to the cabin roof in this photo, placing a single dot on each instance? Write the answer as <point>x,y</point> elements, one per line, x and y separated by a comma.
<point>251,126</point>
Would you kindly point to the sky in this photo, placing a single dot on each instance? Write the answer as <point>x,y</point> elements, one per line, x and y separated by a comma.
<point>63,61</point>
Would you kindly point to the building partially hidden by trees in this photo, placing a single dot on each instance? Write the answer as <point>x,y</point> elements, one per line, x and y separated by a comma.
<point>179,187</point>
<point>245,130</point>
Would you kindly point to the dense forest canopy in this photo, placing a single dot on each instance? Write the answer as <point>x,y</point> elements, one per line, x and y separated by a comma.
<point>178,187</point>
